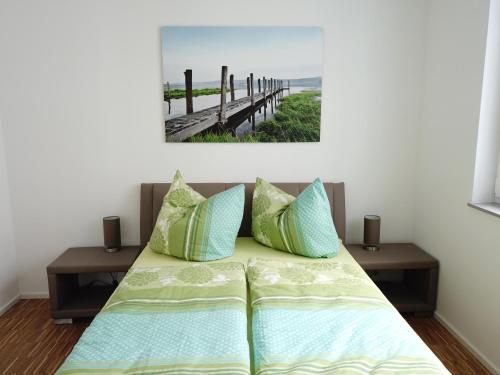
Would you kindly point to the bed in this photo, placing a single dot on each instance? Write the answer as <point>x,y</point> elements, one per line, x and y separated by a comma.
<point>170,316</point>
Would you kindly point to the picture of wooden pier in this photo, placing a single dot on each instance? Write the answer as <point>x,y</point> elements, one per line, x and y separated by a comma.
<point>258,106</point>
<point>217,118</point>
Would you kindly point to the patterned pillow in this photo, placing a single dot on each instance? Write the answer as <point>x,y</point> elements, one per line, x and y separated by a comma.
<point>301,225</point>
<point>191,227</point>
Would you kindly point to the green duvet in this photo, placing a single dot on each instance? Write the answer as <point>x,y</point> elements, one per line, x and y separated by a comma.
<point>327,317</point>
<point>308,316</point>
<point>169,320</point>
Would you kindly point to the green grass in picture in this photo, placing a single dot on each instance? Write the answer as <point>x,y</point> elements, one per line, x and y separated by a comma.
<point>298,120</point>
<point>180,93</point>
<point>221,138</point>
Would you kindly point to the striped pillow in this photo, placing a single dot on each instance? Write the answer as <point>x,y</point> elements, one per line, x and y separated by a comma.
<point>192,227</point>
<point>301,225</point>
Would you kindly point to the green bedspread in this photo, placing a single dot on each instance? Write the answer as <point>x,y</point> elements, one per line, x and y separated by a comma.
<point>327,317</point>
<point>169,316</point>
<point>182,319</point>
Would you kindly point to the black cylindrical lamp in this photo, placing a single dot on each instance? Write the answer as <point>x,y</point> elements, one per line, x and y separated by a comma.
<point>371,236</point>
<point>112,234</point>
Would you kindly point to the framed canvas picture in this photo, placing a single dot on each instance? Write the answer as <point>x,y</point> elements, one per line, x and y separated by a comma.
<point>242,84</point>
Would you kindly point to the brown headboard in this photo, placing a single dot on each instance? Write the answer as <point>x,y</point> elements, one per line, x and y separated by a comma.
<point>152,197</point>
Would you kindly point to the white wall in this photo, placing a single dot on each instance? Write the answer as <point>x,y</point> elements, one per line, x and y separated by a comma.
<point>466,241</point>
<point>8,269</point>
<point>81,96</point>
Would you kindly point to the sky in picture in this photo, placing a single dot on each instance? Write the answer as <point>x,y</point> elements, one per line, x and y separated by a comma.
<point>280,52</point>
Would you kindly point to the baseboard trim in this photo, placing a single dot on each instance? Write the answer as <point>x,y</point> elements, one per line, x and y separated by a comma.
<point>35,295</point>
<point>477,353</point>
<point>9,304</point>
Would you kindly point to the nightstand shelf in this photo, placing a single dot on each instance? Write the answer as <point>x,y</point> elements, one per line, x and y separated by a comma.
<point>403,297</point>
<point>405,273</point>
<point>85,301</point>
<point>68,298</point>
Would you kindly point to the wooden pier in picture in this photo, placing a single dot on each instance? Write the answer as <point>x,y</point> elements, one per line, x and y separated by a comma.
<point>218,118</point>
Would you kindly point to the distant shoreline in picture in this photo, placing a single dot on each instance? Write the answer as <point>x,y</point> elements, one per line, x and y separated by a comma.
<point>242,84</point>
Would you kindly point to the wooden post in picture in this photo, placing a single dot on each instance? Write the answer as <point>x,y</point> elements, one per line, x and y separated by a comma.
<point>259,91</point>
<point>223,85</point>
<point>248,94</point>
<point>168,97</point>
<point>188,77</point>
<point>265,99</point>
<point>252,102</point>
<point>231,86</point>
<point>272,83</point>
<point>270,89</point>
<point>275,94</point>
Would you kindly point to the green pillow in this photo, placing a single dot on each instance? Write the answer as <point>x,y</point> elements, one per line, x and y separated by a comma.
<point>301,225</point>
<point>192,227</point>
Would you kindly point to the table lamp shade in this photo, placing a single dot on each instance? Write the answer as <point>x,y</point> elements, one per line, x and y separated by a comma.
<point>371,237</point>
<point>112,235</point>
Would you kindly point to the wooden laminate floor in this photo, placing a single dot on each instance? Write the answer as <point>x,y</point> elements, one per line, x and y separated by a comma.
<point>31,344</point>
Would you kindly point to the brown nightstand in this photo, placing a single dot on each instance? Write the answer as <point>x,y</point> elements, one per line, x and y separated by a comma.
<point>405,273</point>
<point>68,299</point>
